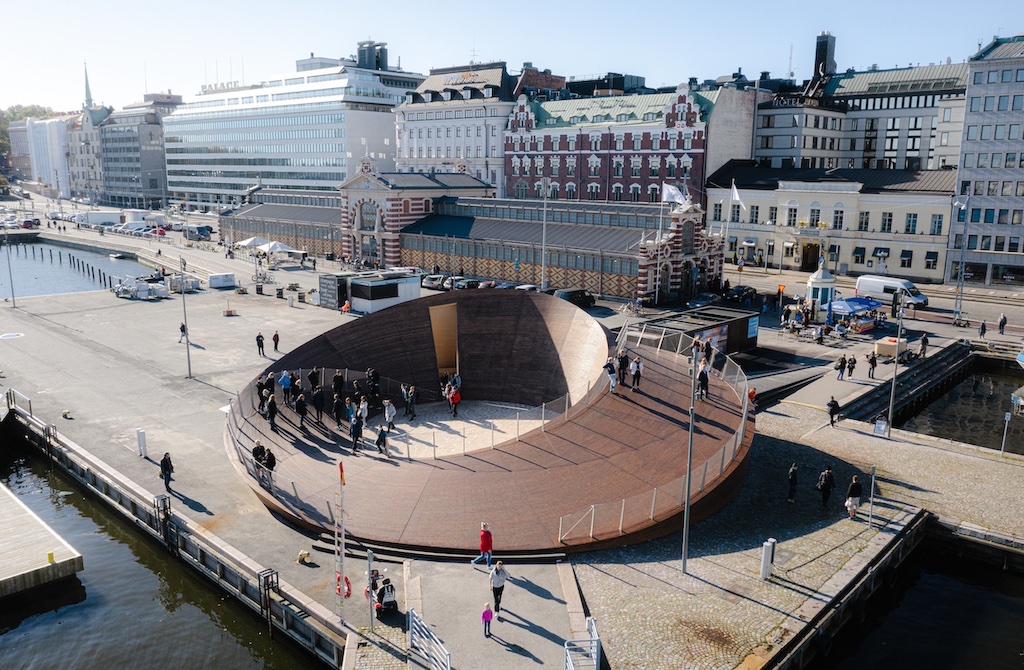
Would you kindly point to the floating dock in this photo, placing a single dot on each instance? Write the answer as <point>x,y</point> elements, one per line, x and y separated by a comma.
<point>31,553</point>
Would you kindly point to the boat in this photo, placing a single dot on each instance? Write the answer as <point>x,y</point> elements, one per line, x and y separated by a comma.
<point>118,256</point>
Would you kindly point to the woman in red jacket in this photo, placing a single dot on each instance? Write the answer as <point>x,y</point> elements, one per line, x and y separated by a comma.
<point>486,544</point>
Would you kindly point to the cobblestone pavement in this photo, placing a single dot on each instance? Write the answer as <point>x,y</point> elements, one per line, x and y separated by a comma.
<point>383,649</point>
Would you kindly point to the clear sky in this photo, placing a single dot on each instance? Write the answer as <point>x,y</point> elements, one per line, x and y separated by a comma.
<point>136,47</point>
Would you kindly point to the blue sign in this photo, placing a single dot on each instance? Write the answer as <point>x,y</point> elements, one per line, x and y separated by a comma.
<point>517,265</point>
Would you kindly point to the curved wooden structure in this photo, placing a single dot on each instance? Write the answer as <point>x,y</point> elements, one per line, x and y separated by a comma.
<point>522,347</point>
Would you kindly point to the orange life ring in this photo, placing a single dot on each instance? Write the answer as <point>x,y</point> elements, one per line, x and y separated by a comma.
<point>348,586</point>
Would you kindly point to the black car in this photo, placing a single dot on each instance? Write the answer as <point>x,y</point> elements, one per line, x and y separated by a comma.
<point>703,300</point>
<point>741,294</point>
<point>580,297</point>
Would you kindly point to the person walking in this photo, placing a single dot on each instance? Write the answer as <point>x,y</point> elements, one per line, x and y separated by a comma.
<point>166,470</point>
<point>405,398</point>
<point>272,411</point>
<point>313,377</point>
<point>833,411</point>
<point>486,546</point>
<point>181,332</point>
<point>841,367</point>
<point>609,367</point>
<point>923,350</point>
<point>338,409</point>
<point>851,363</point>
<point>636,368</point>
<point>623,365</point>
<point>269,460</point>
<point>259,344</point>
<point>486,617</point>
<point>1002,323</point>
<point>389,413</point>
<point>792,484</point>
<point>853,494</point>
<point>497,578</point>
<point>454,398</point>
<point>276,339</point>
<point>826,482</point>
<point>411,403</point>
<point>982,329</point>
<point>382,440</point>
<point>300,409</point>
<point>286,386</point>
<point>355,431</point>
<point>872,364</point>
<point>703,381</point>
<point>318,404</point>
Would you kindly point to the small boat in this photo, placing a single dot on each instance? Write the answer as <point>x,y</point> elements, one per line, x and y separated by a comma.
<point>118,256</point>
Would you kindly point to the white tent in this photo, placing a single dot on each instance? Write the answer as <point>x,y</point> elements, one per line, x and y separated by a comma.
<point>252,242</point>
<point>275,247</point>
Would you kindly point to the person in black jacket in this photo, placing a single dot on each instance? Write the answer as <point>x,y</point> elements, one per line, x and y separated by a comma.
<point>792,484</point>
<point>826,482</point>
<point>623,361</point>
<point>853,494</point>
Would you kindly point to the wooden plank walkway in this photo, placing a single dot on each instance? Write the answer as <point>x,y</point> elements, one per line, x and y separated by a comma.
<point>25,544</point>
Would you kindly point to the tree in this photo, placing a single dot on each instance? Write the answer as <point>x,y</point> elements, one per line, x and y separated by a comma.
<point>19,113</point>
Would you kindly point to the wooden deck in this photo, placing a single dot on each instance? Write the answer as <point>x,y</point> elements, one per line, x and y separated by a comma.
<point>612,451</point>
<point>25,548</point>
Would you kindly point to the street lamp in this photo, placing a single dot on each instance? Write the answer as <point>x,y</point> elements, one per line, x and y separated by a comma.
<point>188,346</point>
<point>689,461</point>
<point>898,299</point>
<point>958,299</point>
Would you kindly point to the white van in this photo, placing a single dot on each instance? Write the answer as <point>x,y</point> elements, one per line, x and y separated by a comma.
<point>881,287</point>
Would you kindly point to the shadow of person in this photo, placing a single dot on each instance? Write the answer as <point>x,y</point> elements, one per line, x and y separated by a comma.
<point>191,503</point>
<point>517,649</point>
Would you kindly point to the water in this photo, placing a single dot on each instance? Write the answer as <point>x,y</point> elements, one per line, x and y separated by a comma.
<point>46,269</point>
<point>973,411</point>
<point>946,612</point>
<point>134,606</point>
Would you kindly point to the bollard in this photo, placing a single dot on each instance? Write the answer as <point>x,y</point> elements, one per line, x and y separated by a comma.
<point>49,557</point>
<point>542,418</point>
<point>517,426</point>
<point>140,435</point>
<point>407,456</point>
<point>767,557</point>
<point>290,301</point>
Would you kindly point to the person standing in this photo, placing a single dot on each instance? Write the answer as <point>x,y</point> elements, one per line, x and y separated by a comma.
<point>455,398</point>
<point>872,364</point>
<point>286,386</point>
<point>853,494</point>
<point>486,617</point>
<point>318,404</point>
<point>405,397</point>
<point>338,383</point>
<point>841,367</point>
<point>181,332</point>
<point>486,546</point>
<point>833,411</point>
<point>411,403</point>
<point>339,410</point>
<point>703,381</point>
<point>259,344</point>
<point>826,482</point>
<point>792,484</point>
<point>1002,323</point>
<point>609,367</point>
<point>270,460</point>
<point>166,470</point>
<point>982,329</point>
<point>364,409</point>
<point>389,413</point>
<point>355,431</point>
<point>272,411</point>
<point>276,339</point>
<point>623,364</point>
<point>497,578</point>
<point>382,440</point>
<point>313,377</point>
<point>300,409</point>
<point>636,368</point>
<point>923,350</point>
<point>851,363</point>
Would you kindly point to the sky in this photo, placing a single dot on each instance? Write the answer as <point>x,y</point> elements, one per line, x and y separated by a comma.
<point>132,48</point>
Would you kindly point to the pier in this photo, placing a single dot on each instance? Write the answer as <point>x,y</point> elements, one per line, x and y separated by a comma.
<point>31,553</point>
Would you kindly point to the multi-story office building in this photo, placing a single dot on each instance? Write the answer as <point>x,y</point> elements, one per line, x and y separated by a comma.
<point>904,118</point>
<point>20,154</point>
<point>132,160</point>
<point>455,120</point>
<point>990,191</point>
<point>298,131</point>
<point>893,222</point>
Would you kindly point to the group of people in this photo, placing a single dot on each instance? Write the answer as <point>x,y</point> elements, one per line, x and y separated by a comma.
<point>496,577</point>
<point>825,485</point>
<point>264,458</point>
<point>451,390</point>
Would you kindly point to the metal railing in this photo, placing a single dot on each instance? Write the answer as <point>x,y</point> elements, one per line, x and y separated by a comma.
<point>584,654</point>
<point>424,641</point>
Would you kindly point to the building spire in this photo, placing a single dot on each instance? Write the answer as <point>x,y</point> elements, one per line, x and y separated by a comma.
<point>88,92</point>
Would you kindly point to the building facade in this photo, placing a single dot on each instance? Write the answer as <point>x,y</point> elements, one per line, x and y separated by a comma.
<point>864,119</point>
<point>863,221</point>
<point>300,131</point>
<point>49,151</point>
<point>990,190</point>
<point>619,149</point>
<point>20,154</point>
<point>85,154</point>
<point>132,159</point>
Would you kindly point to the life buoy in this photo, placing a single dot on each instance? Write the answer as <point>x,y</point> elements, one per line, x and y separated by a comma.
<point>348,586</point>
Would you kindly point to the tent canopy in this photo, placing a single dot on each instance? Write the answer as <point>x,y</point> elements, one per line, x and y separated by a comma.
<point>275,247</point>
<point>853,305</point>
<point>252,242</point>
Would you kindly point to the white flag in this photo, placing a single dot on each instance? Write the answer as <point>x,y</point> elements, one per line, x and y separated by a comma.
<point>736,196</point>
<point>670,193</point>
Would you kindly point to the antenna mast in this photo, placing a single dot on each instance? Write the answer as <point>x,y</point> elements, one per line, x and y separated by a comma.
<point>789,74</point>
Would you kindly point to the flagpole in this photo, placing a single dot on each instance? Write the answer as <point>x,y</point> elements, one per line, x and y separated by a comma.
<point>657,271</point>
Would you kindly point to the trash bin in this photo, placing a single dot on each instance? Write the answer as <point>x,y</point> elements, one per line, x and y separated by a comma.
<point>328,256</point>
<point>259,289</point>
<point>302,297</point>
<point>280,292</point>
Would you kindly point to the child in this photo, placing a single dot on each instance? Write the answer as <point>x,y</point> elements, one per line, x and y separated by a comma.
<point>486,618</point>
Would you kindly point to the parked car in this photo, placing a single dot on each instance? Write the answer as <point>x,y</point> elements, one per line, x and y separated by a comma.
<point>30,223</point>
<point>741,294</point>
<point>505,284</point>
<point>449,282</point>
<point>580,297</point>
<point>433,282</point>
<point>550,291</point>
<point>528,287</point>
<point>703,300</point>
<point>467,283</point>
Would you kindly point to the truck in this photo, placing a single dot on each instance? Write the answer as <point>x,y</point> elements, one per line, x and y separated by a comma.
<point>97,218</point>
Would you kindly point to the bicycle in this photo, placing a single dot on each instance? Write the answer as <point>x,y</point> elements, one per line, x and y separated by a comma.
<point>263,278</point>
<point>632,308</point>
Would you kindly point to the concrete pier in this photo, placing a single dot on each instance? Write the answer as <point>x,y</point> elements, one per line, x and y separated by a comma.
<point>31,553</point>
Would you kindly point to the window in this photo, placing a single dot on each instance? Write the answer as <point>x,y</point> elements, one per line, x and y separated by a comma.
<point>734,214</point>
<point>936,224</point>
<point>910,228</point>
<point>858,256</point>
<point>947,115</point>
<point>815,216</point>
<point>975,104</point>
<point>1003,103</point>
<point>944,140</point>
<point>837,219</point>
<point>993,188</point>
<point>1007,188</point>
<point>1014,244</point>
<point>986,133</point>
<point>931,260</point>
<point>990,103</point>
<point>773,214</point>
<point>906,258</point>
<point>617,192</point>
<point>1018,102</point>
<point>986,243</point>
<point>791,216</point>
<point>863,219</point>
<point>993,77</point>
<point>972,132</point>
<point>754,211</point>
<point>617,169</point>
<point>716,212</point>
<point>886,222</point>
<point>1004,216</point>
<point>979,77</point>
<point>990,216</point>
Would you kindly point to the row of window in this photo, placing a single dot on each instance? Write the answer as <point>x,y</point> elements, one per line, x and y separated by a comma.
<point>227,187</point>
<point>307,134</point>
<point>588,217</point>
<point>994,103</point>
<point>449,114</point>
<point>654,142</point>
<point>992,215</point>
<point>449,152</point>
<point>991,187</point>
<point>998,76</point>
<point>998,131</point>
<point>988,243</point>
<point>527,255</point>
<point>266,122</point>
<point>261,149</point>
<point>253,174</point>
<point>996,160</point>
<point>838,219</point>
<point>304,161</point>
<point>417,133</point>
<point>290,110</point>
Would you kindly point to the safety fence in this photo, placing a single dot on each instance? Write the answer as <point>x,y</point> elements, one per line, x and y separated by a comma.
<point>609,519</point>
<point>584,654</point>
<point>423,641</point>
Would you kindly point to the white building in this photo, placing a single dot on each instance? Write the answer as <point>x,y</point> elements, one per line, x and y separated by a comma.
<point>301,130</point>
<point>48,152</point>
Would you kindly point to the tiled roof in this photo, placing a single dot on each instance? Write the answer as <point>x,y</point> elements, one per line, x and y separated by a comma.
<point>406,180</point>
<point>924,79</point>
<point>609,239</point>
<point>749,176</point>
<point>490,74</point>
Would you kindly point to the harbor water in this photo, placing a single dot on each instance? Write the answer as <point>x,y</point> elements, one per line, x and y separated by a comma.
<point>49,269</point>
<point>134,605</point>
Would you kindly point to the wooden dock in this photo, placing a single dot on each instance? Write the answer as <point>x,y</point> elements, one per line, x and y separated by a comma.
<point>31,553</point>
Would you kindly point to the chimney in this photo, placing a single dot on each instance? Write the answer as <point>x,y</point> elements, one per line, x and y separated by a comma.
<point>824,55</point>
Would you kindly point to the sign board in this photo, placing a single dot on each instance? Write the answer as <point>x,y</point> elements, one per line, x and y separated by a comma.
<point>752,326</point>
<point>329,291</point>
<point>880,427</point>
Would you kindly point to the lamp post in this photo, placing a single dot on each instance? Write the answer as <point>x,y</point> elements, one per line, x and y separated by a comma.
<point>544,236</point>
<point>10,273</point>
<point>958,299</point>
<point>689,462</point>
<point>898,297</point>
<point>188,346</point>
